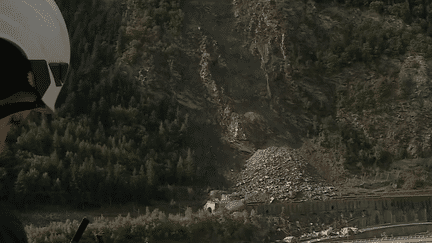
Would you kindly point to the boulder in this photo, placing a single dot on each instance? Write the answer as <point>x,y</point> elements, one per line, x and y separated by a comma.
<point>216,194</point>
<point>237,215</point>
<point>327,232</point>
<point>235,205</point>
<point>348,231</point>
<point>288,239</point>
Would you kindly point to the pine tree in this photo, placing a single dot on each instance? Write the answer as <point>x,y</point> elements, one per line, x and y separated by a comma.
<point>180,170</point>
<point>21,187</point>
<point>91,177</point>
<point>74,188</point>
<point>82,148</point>
<point>44,124</point>
<point>54,159</point>
<point>121,40</point>
<point>56,140</point>
<point>98,136</point>
<point>94,111</point>
<point>45,182</point>
<point>133,184</point>
<point>102,131</point>
<point>58,193</point>
<point>44,138</point>
<point>119,171</point>
<point>151,175</point>
<point>57,185</point>
<point>109,187</point>
<point>67,140</point>
<point>28,142</point>
<point>133,102</point>
<point>169,171</point>
<point>68,157</point>
<point>161,129</point>
<point>105,153</point>
<point>5,187</point>
<point>103,107</point>
<point>32,177</point>
<point>190,166</point>
<point>62,172</point>
<point>153,120</point>
<point>117,154</point>
<point>142,193</point>
<point>120,182</point>
<point>109,166</point>
<point>96,45</point>
<point>88,131</point>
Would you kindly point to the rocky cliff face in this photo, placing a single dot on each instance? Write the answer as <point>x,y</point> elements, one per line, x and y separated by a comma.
<point>239,71</point>
<point>245,58</point>
<point>244,70</point>
<point>232,68</point>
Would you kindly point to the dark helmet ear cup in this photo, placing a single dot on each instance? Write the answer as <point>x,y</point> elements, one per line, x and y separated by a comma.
<point>14,67</point>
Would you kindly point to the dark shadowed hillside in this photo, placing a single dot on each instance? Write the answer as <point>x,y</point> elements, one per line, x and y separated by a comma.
<point>183,93</point>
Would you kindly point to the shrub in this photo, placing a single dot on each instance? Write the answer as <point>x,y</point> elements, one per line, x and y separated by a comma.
<point>401,10</point>
<point>377,6</point>
<point>222,228</point>
<point>139,230</point>
<point>419,183</point>
<point>400,182</point>
<point>124,233</point>
<point>384,159</point>
<point>428,165</point>
<point>244,232</point>
<point>203,230</point>
<point>406,85</point>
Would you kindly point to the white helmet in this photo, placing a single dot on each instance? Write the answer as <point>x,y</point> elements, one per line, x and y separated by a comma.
<point>37,30</point>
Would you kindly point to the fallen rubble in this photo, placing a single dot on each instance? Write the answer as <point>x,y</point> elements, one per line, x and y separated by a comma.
<point>282,174</point>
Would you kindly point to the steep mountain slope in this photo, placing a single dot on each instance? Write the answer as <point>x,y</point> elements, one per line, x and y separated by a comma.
<point>344,84</point>
<point>238,87</point>
<point>244,66</point>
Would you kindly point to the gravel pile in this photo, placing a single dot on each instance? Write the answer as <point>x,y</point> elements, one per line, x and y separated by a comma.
<point>281,173</point>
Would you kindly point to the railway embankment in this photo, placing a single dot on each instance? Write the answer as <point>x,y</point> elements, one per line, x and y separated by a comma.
<point>359,213</point>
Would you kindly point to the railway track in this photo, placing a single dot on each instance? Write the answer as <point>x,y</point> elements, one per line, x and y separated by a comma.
<point>352,195</point>
<point>426,237</point>
<point>391,239</point>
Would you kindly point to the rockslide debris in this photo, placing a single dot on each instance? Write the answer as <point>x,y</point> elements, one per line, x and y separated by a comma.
<point>280,173</point>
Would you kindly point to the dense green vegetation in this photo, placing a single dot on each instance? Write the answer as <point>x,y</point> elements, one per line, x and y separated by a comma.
<point>357,38</point>
<point>112,139</point>
<point>342,34</point>
<point>157,226</point>
<point>199,226</point>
